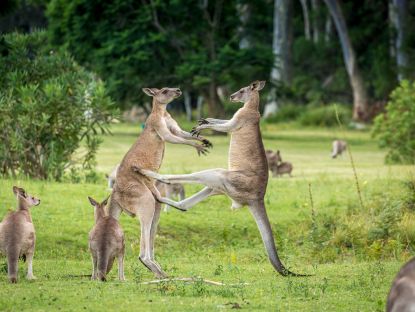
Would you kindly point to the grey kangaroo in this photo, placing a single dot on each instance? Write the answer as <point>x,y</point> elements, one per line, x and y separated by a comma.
<point>17,234</point>
<point>245,182</point>
<point>401,297</point>
<point>106,241</point>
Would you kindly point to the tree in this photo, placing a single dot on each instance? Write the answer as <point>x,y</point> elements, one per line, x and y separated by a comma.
<point>360,98</point>
<point>50,107</point>
<point>304,7</point>
<point>281,48</point>
<point>398,16</point>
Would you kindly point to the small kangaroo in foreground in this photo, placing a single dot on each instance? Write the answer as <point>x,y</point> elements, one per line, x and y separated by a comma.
<point>17,235</point>
<point>106,241</point>
<point>166,190</point>
<point>132,192</point>
<point>280,167</point>
<point>245,182</point>
<point>338,147</point>
<point>401,297</point>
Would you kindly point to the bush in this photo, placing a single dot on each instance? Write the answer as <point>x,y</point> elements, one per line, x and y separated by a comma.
<point>287,112</point>
<point>395,129</point>
<point>48,106</point>
<point>325,116</point>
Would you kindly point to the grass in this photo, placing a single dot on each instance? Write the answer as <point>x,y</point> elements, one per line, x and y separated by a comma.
<point>352,270</point>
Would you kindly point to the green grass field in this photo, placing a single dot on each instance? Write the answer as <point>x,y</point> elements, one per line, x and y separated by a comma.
<point>341,243</point>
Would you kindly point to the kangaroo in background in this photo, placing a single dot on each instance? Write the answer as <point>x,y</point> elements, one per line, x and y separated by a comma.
<point>106,241</point>
<point>131,191</point>
<point>401,296</point>
<point>245,182</point>
<point>17,235</point>
<point>338,147</point>
<point>281,167</point>
<point>166,190</point>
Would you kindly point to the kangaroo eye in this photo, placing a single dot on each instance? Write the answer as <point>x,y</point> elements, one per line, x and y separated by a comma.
<point>164,92</point>
<point>242,91</point>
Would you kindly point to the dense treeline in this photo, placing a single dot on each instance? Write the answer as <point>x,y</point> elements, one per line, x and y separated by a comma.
<point>313,51</point>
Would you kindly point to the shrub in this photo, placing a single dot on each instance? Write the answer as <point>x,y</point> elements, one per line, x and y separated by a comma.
<point>287,112</point>
<point>48,106</point>
<point>395,129</point>
<point>325,116</point>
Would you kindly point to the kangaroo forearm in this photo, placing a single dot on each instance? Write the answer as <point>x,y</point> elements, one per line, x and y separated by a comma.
<point>216,121</point>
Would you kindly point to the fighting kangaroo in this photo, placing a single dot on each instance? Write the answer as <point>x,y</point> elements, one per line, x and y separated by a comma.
<point>17,234</point>
<point>131,191</point>
<point>106,241</point>
<point>245,182</point>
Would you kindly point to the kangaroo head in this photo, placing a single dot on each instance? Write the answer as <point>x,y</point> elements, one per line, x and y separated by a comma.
<point>99,208</point>
<point>164,95</point>
<point>25,200</point>
<point>244,94</point>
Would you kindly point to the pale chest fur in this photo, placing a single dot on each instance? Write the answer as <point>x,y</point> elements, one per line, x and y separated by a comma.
<point>246,150</point>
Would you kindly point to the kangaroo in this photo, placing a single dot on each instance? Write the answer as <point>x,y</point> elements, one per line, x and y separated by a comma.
<point>170,191</point>
<point>166,190</point>
<point>17,235</point>
<point>401,297</point>
<point>338,147</point>
<point>245,182</point>
<point>131,191</point>
<point>106,241</point>
<point>279,167</point>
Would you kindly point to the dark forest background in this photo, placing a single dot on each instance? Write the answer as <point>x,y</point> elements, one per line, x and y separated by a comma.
<point>311,52</point>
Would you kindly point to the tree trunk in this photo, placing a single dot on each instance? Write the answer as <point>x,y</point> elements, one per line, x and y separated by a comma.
<point>215,108</point>
<point>199,107</point>
<point>315,6</point>
<point>188,105</point>
<point>360,99</point>
<point>328,28</point>
<point>399,11</point>
<point>306,16</point>
<point>244,12</point>
<point>281,47</point>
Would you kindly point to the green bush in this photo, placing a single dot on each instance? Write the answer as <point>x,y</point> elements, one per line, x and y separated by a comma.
<point>395,129</point>
<point>287,112</point>
<point>325,116</point>
<point>48,106</point>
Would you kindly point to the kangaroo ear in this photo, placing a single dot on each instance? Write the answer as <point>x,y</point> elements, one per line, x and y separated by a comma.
<point>150,91</point>
<point>105,201</point>
<point>258,85</point>
<point>19,191</point>
<point>92,201</point>
<point>15,190</point>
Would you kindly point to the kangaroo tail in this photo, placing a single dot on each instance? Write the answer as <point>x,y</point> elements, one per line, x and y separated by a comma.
<point>102,265</point>
<point>12,263</point>
<point>260,215</point>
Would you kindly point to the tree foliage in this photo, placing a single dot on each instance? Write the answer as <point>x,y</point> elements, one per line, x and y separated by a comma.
<point>133,44</point>
<point>395,129</point>
<point>49,106</point>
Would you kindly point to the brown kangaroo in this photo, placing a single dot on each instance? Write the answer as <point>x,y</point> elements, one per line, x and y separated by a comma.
<point>106,241</point>
<point>401,297</point>
<point>131,191</point>
<point>245,182</point>
<point>17,235</point>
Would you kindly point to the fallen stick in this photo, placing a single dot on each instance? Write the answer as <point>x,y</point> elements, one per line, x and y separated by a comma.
<point>191,279</point>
